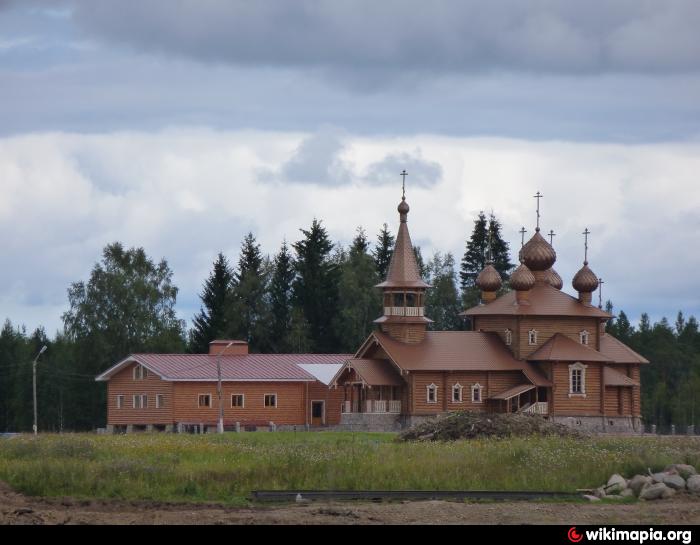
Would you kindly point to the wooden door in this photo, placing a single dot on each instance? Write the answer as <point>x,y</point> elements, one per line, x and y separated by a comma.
<point>318,413</point>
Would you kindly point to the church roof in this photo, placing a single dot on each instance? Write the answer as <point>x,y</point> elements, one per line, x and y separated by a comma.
<point>562,348</point>
<point>619,352</point>
<point>615,378</point>
<point>403,269</point>
<point>373,372</point>
<point>543,300</point>
<point>455,351</point>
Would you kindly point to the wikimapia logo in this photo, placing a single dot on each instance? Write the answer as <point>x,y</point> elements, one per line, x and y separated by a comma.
<point>638,536</point>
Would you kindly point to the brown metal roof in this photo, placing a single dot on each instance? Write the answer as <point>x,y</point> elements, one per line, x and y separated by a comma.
<point>457,351</point>
<point>619,352</point>
<point>615,378</point>
<point>562,348</point>
<point>403,269</point>
<point>544,300</point>
<point>375,372</point>
<point>514,391</point>
<point>250,367</point>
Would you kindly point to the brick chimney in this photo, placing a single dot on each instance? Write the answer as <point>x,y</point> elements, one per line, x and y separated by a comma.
<point>238,348</point>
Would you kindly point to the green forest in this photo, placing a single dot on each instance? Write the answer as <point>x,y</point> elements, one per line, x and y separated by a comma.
<point>313,295</point>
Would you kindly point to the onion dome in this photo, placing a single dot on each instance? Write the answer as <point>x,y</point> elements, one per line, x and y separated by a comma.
<point>489,279</point>
<point>553,279</point>
<point>403,207</point>
<point>538,254</point>
<point>585,280</point>
<point>522,278</point>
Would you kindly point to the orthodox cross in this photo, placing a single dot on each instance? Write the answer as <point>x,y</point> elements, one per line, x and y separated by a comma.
<point>538,197</point>
<point>552,234</point>
<point>585,233</point>
<point>522,236</point>
<point>403,184</point>
<point>489,259</point>
<point>600,293</point>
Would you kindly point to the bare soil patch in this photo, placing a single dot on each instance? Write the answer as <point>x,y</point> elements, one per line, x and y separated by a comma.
<point>19,509</point>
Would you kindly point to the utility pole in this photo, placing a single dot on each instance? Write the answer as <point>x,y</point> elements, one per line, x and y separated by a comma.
<point>220,425</point>
<point>43,349</point>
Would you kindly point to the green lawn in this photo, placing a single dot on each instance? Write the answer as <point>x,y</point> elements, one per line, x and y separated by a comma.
<point>211,468</point>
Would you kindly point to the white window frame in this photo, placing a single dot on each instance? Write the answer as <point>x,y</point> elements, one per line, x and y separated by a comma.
<point>200,406</point>
<point>584,337</point>
<point>120,401</point>
<point>242,405</point>
<point>532,337</point>
<point>265,401</point>
<point>509,336</point>
<point>477,388</point>
<point>578,366</point>
<point>160,398</point>
<point>457,387</point>
<point>139,401</point>
<point>434,388</point>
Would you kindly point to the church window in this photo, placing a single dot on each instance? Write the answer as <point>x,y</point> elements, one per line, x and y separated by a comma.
<point>532,337</point>
<point>584,337</point>
<point>457,393</point>
<point>577,379</point>
<point>411,300</point>
<point>509,337</point>
<point>398,299</point>
<point>431,395</point>
<point>476,393</point>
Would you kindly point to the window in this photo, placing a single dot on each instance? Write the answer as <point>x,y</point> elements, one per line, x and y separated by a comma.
<point>509,337</point>
<point>584,337</point>
<point>159,401</point>
<point>140,401</point>
<point>237,400</point>
<point>138,372</point>
<point>476,393</point>
<point>270,400</point>
<point>577,379</point>
<point>532,337</point>
<point>431,394</point>
<point>204,400</point>
<point>411,300</point>
<point>120,402</point>
<point>398,299</point>
<point>457,393</point>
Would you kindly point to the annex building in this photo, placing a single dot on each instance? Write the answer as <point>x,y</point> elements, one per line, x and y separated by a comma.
<point>533,349</point>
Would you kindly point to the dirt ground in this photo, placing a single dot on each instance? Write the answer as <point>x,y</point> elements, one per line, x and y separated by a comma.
<point>18,509</point>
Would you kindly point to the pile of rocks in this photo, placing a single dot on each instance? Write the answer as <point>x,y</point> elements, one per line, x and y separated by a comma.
<point>673,479</point>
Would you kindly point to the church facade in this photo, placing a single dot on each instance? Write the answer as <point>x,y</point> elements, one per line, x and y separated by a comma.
<point>534,349</point>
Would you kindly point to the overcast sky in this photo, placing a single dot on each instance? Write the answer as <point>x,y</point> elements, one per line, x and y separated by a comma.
<point>180,126</point>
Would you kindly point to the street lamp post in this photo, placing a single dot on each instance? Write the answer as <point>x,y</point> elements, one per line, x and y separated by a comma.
<point>220,425</point>
<point>43,349</point>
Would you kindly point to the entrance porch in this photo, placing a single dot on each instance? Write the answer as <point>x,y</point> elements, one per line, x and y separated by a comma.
<point>524,398</point>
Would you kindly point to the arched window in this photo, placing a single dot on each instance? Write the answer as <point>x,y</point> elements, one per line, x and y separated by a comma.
<point>577,379</point>
<point>457,393</point>
<point>431,393</point>
<point>584,337</point>
<point>509,337</point>
<point>532,337</point>
<point>476,393</point>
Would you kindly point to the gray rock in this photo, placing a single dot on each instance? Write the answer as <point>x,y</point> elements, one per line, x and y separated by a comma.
<point>656,491</point>
<point>627,493</point>
<point>616,484</point>
<point>693,484</point>
<point>599,492</point>
<point>638,482</point>
<point>591,498</point>
<point>659,477</point>
<point>675,481</point>
<point>684,470</point>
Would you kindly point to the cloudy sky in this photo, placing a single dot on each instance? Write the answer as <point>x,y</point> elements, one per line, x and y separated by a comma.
<point>180,126</point>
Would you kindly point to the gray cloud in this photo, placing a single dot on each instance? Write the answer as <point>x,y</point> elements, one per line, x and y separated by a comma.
<point>421,173</point>
<point>443,36</point>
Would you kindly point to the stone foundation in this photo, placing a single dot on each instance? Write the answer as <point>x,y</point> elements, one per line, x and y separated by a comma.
<point>370,422</point>
<point>602,424</point>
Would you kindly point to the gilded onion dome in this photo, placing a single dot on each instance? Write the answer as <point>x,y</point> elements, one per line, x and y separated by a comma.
<point>538,254</point>
<point>585,280</point>
<point>522,278</point>
<point>489,279</point>
<point>553,279</point>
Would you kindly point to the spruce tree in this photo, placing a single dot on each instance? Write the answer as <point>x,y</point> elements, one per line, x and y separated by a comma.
<point>420,262</point>
<point>315,288</point>
<point>442,300</point>
<point>383,251</point>
<point>212,321</point>
<point>359,301</point>
<point>280,293</point>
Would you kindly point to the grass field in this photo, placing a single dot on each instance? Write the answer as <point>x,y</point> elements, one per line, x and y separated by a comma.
<point>211,468</point>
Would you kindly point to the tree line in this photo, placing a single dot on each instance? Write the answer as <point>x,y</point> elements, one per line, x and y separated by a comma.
<point>312,295</point>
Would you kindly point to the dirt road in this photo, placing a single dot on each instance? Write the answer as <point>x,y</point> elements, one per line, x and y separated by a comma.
<point>18,509</point>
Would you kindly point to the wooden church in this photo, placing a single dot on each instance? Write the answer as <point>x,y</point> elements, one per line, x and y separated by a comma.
<point>534,349</point>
